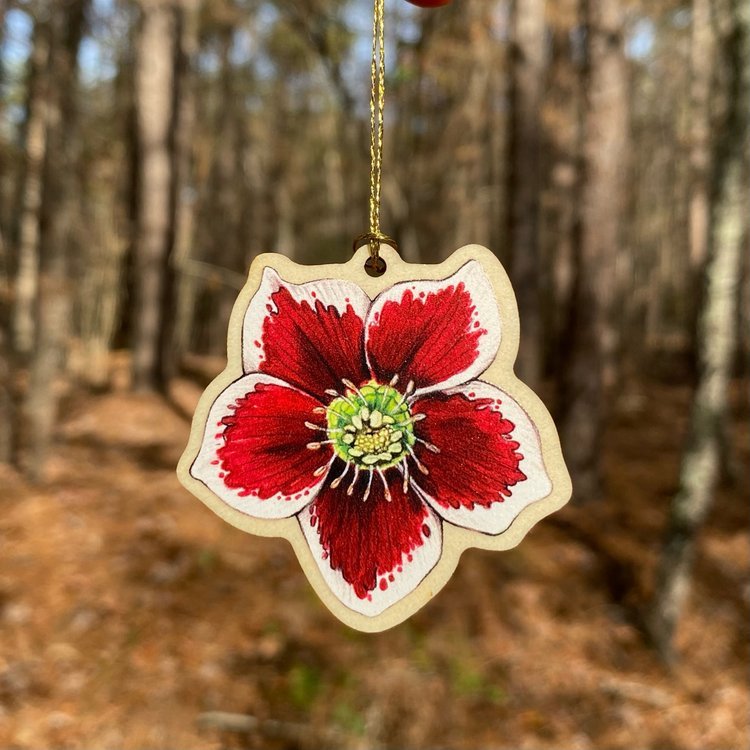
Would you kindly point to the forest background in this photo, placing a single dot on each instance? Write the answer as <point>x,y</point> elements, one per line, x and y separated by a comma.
<point>150,149</point>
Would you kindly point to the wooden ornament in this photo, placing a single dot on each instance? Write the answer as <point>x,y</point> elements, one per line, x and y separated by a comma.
<point>377,425</point>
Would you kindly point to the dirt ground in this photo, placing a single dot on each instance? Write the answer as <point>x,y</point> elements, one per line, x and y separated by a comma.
<point>128,610</point>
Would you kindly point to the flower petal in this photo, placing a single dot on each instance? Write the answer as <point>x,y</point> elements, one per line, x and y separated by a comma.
<point>309,335</point>
<point>372,553</point>
<point>437,333</point>
<point>490,464</point>
<point>254,454</point>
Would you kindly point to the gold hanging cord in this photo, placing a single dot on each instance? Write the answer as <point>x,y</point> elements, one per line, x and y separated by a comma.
<point>377,107</point>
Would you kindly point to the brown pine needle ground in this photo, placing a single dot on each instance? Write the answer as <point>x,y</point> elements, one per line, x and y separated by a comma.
<point>127,610</point>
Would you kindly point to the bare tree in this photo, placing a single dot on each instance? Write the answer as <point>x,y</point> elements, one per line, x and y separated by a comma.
<point>466,135</point>
<point>176,299</point>
<point>590,336</point>
<point>702,66</point>
<point>6,372</point>
<point>717,338</point>
<point>30,194</point>
<point>528,64</point>
<point>57,216</point>
<point>177,336</point>
<point>6,350</point>
<point>154,87</point>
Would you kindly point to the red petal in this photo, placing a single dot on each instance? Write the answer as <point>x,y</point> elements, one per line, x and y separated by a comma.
<point>372,552</point>
<point>478,459</point>
<point>254,454</point>
<point>489,465</point>
<point>436,333</point>
<point>309,335</point>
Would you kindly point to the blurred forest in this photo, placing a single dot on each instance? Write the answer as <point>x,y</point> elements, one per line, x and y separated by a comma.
<point>150,149</point>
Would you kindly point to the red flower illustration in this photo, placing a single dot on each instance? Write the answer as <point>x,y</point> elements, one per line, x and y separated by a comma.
<point>367,421</point>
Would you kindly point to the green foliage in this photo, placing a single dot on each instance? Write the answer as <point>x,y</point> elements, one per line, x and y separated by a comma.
<point>304,683</point>
<point>468,681</point>
<point>208,559</point>
<point>348,718</point>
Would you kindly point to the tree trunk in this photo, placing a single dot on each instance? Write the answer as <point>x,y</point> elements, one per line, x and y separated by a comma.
<point>178,303</point>
<point>6,371</point>
<point>57,216</point>
<point>3,11</point>
<point>286,235</point>
<point>154,80</point>
<point>30,193</point>
<point>717,337</point>
<point>100,283</point>
<point>560,219</point>
<point>590,339</point>
<point>528,63</point>
<point>464,136</point>
<point>7,420</point>
<point>701,74</point>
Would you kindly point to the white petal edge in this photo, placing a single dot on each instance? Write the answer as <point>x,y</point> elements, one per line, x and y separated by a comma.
<point>486,310</point>
<point>202,469</point>
<point>424,559</point>
<point>332,293</point>
<point>500,515</point>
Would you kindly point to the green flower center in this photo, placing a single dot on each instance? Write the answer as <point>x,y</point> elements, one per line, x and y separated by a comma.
<point>371,426</point>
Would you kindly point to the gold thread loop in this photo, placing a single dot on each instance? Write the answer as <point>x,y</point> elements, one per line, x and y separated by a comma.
<point>377,108</point>
<point>368,238</point>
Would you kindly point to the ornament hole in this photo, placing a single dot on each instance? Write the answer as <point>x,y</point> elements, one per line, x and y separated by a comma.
<point>375,267</point>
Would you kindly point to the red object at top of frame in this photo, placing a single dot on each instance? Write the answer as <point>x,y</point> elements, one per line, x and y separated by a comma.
<point>429,3</point>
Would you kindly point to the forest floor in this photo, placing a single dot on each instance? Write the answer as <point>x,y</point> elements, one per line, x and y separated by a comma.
<point>127,610</point>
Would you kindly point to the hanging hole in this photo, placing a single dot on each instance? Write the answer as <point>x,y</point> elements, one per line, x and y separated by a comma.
<point>375,266</point>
